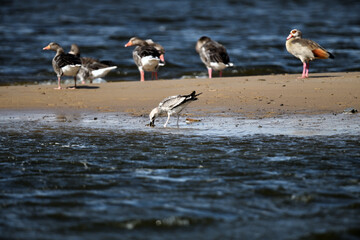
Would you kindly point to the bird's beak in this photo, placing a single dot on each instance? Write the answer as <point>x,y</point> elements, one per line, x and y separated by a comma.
<point>290,36</point>
<point>47,47</point>
<point>128,44</point>
<point>152,124</point>
<point>162,58</point>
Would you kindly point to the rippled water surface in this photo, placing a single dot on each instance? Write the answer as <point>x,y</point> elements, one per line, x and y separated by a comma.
<point>107,176</point>
<point>254,33</point>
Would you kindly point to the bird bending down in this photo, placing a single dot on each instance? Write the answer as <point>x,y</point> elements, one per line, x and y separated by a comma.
<point>64,64</point>
<point>90,68</point>
<point>146,57</point>
<point>213,55</point>
<point>172,105</point>
<point>306,50</point>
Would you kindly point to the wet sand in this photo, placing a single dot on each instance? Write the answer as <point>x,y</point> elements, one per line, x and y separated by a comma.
<point>249,96</point>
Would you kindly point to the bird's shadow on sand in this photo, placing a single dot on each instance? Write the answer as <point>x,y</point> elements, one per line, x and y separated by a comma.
<point>87,87</point>
<point>324,76</point>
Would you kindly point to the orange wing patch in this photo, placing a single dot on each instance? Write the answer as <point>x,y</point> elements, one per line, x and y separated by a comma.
<point>320,53</point>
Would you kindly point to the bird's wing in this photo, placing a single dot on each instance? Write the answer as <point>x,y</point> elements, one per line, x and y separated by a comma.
<point>216,52</point>
<point>318,51</point>
<point>144,51</point>
<point>97,65</point>
<point>66,59</point>
<point>172,102</point>
<point>158,47</point>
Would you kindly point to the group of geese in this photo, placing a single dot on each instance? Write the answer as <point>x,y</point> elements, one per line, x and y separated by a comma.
<point>149,56</point>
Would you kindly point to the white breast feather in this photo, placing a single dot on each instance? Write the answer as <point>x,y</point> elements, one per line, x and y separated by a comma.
<point>301,52</point>
<point>70,70</point>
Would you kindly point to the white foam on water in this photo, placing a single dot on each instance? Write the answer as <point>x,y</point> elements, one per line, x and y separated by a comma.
<point>292,125</point>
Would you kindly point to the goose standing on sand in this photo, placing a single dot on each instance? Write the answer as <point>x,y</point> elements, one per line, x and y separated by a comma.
<point>172,105</point>
<point>306,50</point>
<point>146,57</point>
<point>213,55</point>
<point>64,64</point>
<point>90,68</point>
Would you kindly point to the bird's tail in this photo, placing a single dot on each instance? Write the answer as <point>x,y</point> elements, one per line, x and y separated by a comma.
<point>192,96</point>
<point>102,72</point>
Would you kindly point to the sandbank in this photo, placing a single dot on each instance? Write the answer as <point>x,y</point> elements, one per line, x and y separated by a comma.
<point>249,96</point>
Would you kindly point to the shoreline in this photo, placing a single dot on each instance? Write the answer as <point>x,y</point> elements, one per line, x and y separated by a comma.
<point>249,96</point>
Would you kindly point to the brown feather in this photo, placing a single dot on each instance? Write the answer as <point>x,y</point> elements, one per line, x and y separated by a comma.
<point>320,53</point>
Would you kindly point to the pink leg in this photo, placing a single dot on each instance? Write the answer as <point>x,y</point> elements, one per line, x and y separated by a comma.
<point>307,70</point>
<point>304,71</point>
<point>154,75</point>
<point>59,86</point>
<point>142,76</point>
<point>220,74</point>
<point>210,72</point>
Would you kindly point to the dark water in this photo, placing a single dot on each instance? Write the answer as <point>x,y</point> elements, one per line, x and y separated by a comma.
<point>253,31</point>
<point>107,176</point>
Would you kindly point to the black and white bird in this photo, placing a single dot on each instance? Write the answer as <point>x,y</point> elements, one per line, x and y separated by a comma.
<point>91,68</point>
<point>213,55</point>
<point>172,105</point>
<point>64,64</point>
<point>161,51</point>
<point>146,56</point>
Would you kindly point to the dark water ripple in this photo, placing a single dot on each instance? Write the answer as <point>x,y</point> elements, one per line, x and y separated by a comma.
<point>253,31</point>
<point>61,181</point>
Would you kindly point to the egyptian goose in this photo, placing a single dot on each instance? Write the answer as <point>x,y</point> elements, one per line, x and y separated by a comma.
<point>64,64</point>
<point>213,55</point>
<point>306,50</point>
<point>146,57</point>
<point>90,68</point>
<point>172,105</point>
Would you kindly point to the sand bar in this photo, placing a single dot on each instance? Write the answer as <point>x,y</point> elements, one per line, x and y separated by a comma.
<point>250,96</point>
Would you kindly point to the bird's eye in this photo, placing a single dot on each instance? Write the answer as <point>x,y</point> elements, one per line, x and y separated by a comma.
<point>293,32</point>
